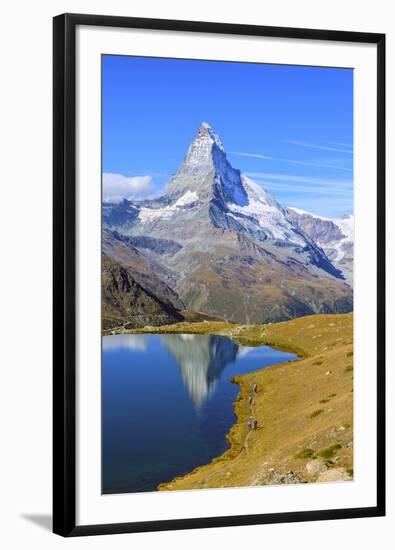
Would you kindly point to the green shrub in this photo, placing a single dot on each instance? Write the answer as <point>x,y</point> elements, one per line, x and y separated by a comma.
<point>316,413</point>
<point>330,451</point>
<point>326,399</point>
<point>305,453</point>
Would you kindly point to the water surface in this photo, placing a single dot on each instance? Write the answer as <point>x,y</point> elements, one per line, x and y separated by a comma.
<point>168,404</point>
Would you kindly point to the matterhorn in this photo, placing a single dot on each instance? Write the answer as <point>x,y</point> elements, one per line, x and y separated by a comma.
<point>217,244</point>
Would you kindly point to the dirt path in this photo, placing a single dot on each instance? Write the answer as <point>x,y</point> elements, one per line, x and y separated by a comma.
<point>246,446</point>
<point>304,407</point>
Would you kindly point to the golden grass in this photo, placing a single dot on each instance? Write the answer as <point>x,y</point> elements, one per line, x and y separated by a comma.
<point>291,432</point>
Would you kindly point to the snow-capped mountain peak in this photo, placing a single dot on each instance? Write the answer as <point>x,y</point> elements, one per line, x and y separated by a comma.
<point>207,193</point>
<point>236,200</point>
<point>262,210</point>
<point>205,131</point>
<point>203,147</point>
<point>225,246</point>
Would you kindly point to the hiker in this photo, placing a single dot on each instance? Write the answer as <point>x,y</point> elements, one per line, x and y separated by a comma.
<point>249,424</point>
<point>250,400</point>
<point>255,423</point>
<point>255,388</point>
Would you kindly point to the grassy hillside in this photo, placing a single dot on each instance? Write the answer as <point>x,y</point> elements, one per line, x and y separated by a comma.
<point>304,408</point>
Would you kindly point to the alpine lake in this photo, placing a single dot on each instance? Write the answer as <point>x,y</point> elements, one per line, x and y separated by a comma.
<point>167,404</point>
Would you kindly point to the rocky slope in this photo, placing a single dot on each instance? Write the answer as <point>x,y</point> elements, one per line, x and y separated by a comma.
<point>125,302</point>
<point>334,235</point>
<point>143,266</point>
<point>223,245</point>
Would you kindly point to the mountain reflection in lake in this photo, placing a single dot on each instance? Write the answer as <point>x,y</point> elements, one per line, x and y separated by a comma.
<point>168,404</point>
<point>201,359</point>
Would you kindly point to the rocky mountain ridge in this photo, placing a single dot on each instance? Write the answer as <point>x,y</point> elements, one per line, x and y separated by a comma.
<point>126,303</point>
<point>334,235</point>
<point>223,245</point>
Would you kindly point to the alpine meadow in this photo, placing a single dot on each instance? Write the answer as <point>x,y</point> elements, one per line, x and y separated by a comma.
<point>227,274</point>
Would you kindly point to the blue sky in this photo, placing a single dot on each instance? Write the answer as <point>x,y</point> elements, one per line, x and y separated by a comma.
<point>289,128</point>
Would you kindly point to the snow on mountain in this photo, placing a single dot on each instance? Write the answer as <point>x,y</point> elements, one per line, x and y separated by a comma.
<point>207,191</point>
<point>346,224</point>
<point>227,247</point>
<point>266,212</point>
<point>190,196</point>
<point>206,175</point>
<point>334,235</point>
<point>149,214</point>
<point>199,151</point>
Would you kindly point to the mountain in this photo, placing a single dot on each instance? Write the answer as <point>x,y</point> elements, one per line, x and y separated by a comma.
<point>225,246</point>
<point>125,302</point>
<point>334,235</point>
<point>142,265</point>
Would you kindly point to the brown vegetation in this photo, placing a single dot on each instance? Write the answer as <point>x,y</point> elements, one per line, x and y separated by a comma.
<point>294,442</point>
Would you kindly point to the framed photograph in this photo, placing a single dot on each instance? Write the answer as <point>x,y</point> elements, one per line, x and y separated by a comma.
<point>218,274</point>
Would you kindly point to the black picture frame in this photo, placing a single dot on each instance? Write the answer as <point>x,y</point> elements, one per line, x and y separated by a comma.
<point>64,273</point>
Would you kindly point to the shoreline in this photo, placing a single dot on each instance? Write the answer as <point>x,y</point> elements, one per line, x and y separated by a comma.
<point>234,446</point>
<point>223,470</point>
<point>304,406</point>
<point>243,335</point>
